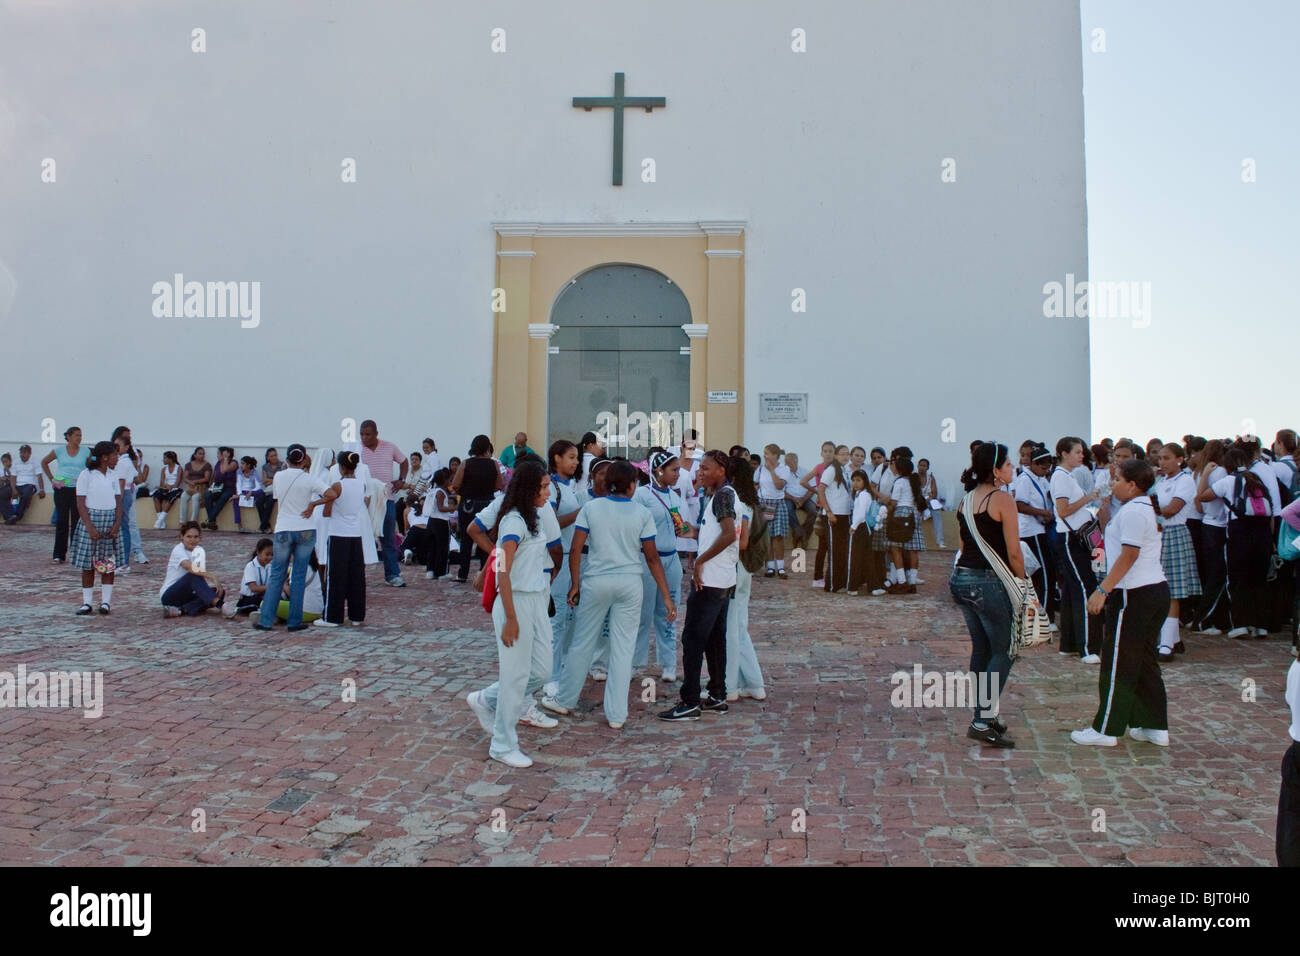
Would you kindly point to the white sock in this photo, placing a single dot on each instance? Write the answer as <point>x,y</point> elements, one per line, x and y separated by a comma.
<point>911,575</point>
<point>771,565</point>
<point>780,564</point>
<point>900,576</point>
<point>108,593</point>
<point>1169,634</point>
<point>87,595</point>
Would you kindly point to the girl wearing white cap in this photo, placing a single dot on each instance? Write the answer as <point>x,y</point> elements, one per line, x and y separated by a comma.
<point>660,498</point>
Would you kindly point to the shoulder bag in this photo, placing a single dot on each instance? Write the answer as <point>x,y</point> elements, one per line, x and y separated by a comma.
<point>1029,625</point>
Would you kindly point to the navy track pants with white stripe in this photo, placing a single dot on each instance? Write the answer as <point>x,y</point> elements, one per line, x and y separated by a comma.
<point>1131,690</point>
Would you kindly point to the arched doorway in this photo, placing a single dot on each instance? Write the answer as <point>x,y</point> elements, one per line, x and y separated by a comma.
<point>616,358</point>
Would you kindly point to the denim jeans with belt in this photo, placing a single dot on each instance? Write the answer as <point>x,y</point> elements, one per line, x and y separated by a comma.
<point>295,547</point>
<point>984,603</point>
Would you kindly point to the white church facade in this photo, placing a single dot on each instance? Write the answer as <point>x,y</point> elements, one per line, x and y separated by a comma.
<point>774,224</point>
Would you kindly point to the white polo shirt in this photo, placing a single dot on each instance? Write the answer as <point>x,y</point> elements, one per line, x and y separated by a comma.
<point>530,568</point>
<point>767,483</point>
<point>839,497</point>
<point>1214,512</point>
<point>1034,492</point>
<point>1293,697</point>
<point>1063,485</point>
<point>616,528</point>
<point>1226,487</point>
<point>1267,475</point>
<point>1181,485</point>
<point>1136,525</point>
<point>100,490</point>
<point>294,489</point>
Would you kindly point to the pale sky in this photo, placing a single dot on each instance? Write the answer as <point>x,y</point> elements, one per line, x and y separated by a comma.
<point>1184,92</point>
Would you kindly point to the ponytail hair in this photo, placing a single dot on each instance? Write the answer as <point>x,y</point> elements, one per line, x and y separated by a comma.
<point>97,454</point>
<point>907,470</point>
<point>257,548</point>
<point>1237,460</point>
<point>348,460</point>
<point>839,469</point>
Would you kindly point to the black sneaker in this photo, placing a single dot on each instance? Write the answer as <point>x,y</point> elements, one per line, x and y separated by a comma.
<point>681,712</point>
<point>990,735</point>
<point>712,705</point>
<point>300,627</point>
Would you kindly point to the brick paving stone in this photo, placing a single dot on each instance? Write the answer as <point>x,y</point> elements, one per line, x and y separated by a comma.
<point>254,729</point>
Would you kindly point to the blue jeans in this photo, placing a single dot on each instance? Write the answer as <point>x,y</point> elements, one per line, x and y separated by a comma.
<point>392,569</point>
<point>295,547</point>
<point>984,603</point>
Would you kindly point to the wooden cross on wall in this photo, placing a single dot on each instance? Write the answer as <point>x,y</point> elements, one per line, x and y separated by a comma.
<point>619,102</point>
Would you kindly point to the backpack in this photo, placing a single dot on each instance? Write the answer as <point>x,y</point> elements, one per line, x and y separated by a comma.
<point>1247,505</point>
<point>1288,493</point>
<point>760,540</point>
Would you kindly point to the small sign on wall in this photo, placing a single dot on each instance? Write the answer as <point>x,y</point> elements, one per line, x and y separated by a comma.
<point>787,408</point>
<point>723,397</point>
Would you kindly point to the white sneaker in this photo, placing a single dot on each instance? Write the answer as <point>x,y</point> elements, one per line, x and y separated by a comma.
<point>918,581</point>
<point>535,718</point>
<point>732,696</point>
<point>669,676</point>
<point>1053,628</point>
<point>1239,632</point>
<point>514,759</point>
<point>599,673</point>
<point>614,726</point>
<point>1090,738</point>
<point>428,575</point>
<point>1091,659</point>
<point>140,559</point>
<point>851,593</point>
<point>397,582</point>
<point>550,689</point>
<point>819,584</point>
<point>1158,737</point>
<point>407,555</point>
<point>554,706</point>
<point>124,569</point>
<point>754,694</point>
<point>485,714</point>
<point>1261,632</point>
<point>229,610</point>
<point>878,591</point>
<point>1210,631</point>
<point>321,622</point>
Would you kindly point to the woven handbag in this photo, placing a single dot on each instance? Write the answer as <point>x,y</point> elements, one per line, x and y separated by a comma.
<point>1029,626</point>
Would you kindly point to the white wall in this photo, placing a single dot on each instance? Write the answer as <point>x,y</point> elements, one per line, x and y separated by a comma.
<point>924,298</point>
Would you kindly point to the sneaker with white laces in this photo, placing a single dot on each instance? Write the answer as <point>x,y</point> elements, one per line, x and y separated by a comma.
<point>321,622</point>
<point>397,582</point>
<point>428,575</point>
<point>759,694</point>
<point>229,610</point>
<point>514,759</point>
<point>407,555</point>
<point>733,696</point>
<point>1239,632</point>
<point>1053,628</point>
<point>535,718</point>
<point>599,673</point>
<point>1261,632</point>
<point>669,676</point>
<point>550,689</point>
<point>1158,737</point>
<point>1091,738</point>
<point>1210,631</point>
<point>554,706</point>
<point>876,592</point>
<point>615,726</point>
<point>485,714</point>
<point>1091,659</point>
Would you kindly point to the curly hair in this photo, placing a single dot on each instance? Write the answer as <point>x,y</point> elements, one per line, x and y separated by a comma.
<point>521,495</point>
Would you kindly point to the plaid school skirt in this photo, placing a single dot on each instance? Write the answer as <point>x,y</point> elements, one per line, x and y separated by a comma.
<point>917,542</point>
<point>85,553</point>
<point>778,515</point>
<point>1178,561</point>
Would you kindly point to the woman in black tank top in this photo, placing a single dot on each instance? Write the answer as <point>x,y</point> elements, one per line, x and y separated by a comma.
<point>979,592</point>
<point>476,481</point>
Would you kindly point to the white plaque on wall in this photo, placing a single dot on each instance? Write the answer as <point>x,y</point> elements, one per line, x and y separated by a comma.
<point>723,397</point>
<point>788,408</point>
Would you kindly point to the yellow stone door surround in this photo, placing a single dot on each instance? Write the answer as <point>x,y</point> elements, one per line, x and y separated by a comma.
<point>536,261</point>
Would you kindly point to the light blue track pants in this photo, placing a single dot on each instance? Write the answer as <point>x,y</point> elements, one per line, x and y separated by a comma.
<point>742,663</point>
<point>524,667</point>
<point>654,617</point>
<point>618,598</point>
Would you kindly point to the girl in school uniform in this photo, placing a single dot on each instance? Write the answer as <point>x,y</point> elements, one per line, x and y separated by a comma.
<point>932,499</point>
<point>866,567</point>
<point>566,496</point>
<point>906,497</point>
<point>812,482</point>
<point>188,587</point>
<point>169,489</point>
<point>772,477</point>
<point>1175,492</point>
<point>345,590</point>
<point>97,542</point>
<point>439,508</point>
<point>1212,553</point>
<point>687,545</point>
<point>620,533</point>
<point>1080,631</point>
<point>252,587</point>
<point>71,458</point>
<point>744,677</point>
<point>836,500</point>
<point>519,614</point>
<point>1250,541</point>
<point>1037,525</point>
<point>1134,597</point>
<point>247,484</point>
<point>660,498</point>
